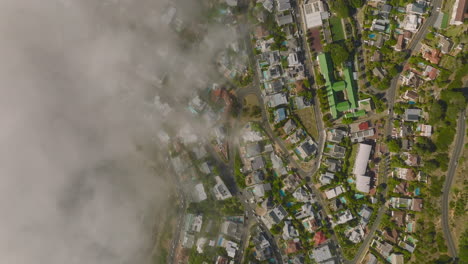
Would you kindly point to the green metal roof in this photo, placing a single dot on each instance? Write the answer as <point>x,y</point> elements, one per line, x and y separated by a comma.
<point>350,87</point>
<point>338,86</point>
<point>343,106</point>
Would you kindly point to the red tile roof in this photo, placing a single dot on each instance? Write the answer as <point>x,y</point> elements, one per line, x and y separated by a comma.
<point>363,126</point>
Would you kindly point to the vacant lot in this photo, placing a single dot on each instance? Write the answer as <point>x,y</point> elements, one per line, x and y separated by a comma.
<point>336,28</point>
<point>307,118</point>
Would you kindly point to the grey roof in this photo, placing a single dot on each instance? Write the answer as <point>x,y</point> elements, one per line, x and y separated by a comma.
<point>412,115</point>
<point>417,8</point>
<point>289,126</point>
<point>258,163</point>
<point>386,9</point>
<point>284,19</point>
<point>283,5</point>
<point>322,253</point>
<point>253,149</point>
<point>363,183</point>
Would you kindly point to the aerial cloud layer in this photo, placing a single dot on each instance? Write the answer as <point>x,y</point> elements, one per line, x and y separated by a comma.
<point>77,82</point>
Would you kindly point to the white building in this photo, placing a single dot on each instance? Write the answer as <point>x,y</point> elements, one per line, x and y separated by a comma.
<point>411,23</point>
<point>363,183</point>
<point>334,192</point>
<point>362,158</point>
<point>314,12</point>
<point>220,189</point>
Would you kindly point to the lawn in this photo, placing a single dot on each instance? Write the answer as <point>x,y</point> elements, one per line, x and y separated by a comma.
<point>337,28</point>
<point>445,21</point>
<point>308,120</point>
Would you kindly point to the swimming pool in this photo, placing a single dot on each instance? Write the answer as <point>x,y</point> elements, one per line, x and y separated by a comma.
<point>358,196</point>
<point>350,180</point>
<point>282,193</point>
<point>343,200</point>
<point>372,35</point>
<point>417,191</point>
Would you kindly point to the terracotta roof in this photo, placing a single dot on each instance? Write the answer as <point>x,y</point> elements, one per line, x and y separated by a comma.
<point>363,126</point>
<point>461,8</point>
<point>391,235</point>
<point>399,217</point>
<point>319,238</point>
<point>433,56</point>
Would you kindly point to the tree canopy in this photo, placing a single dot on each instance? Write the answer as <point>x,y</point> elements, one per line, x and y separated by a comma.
<point>339,53</point>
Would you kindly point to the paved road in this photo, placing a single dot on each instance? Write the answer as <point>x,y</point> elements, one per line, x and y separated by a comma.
<point>391,92</point>
<point>460,138</point>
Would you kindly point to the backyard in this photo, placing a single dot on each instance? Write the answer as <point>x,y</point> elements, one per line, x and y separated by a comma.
<point>336,29</point>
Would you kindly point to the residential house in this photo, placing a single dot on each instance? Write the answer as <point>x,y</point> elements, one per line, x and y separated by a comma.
<point>302,195</point>
<point>336,135</point>
<point>401,188</point>
<point>383,249</point>
<point>280,114</point>
<point>284,19</point>
<point>377,71</point>
<point>306,149</point>
<point>322,254</point>
<point>289,126</point>
<point>305,211</point>
<point>336,151</point>
<point>333,164</point>
<point>200,194</point>
<point>385,10</point>
<point>412,160</point>
<point>411,23</point>
<point>400,43</point>
<point>253,149</point>
<point>399,217</point>
<point>412,115</point>
<point>432,55</point>
<point>415,8</point>
<point>365,213</point>
<point>334,192</point>
<point>411,95</point>
<point>276,100</point>
<point>377,57</point>
<point>259,190</point>
<point>417,205</point>
<point>344,217</point>
<point>282,5</point>
<point>326,178</point>
<point>220,189</point>
<point>391,235</point>
<point>445,45</point>
<point>424,130</point>
<point>257,163</point>
<point>397,259</point>
<point>406,174</point>
<point>430,73</point>
<point>289,232</point>
<point>232,229</point>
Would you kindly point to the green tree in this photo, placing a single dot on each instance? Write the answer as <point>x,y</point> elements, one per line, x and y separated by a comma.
<point>339,53</point>
<point>340,7</point>
<point>394,145</point>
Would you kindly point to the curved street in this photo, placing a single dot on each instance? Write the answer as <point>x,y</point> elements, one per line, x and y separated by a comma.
<point>458,146</point>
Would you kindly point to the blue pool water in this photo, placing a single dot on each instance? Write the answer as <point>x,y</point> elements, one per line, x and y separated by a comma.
<point>343,200</point>
<point>411,102</point>
<point>282,193</point>
<point>330,145</point>
<point>371,36</point>
<point>417,191</point>
<point>358,196</point>
<point>350,180</point>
